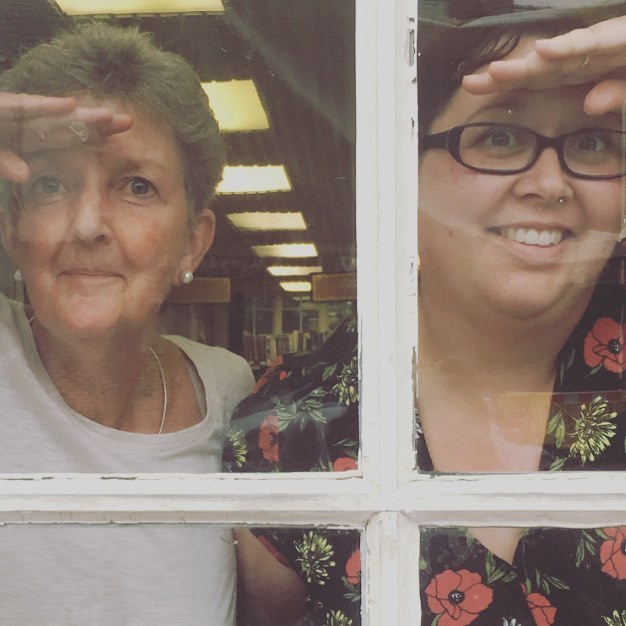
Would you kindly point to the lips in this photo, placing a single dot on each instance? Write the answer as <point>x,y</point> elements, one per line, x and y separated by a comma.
<point>90,273</point>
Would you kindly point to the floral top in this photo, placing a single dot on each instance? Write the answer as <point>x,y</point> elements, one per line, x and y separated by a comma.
<point>559,577</point>
<point>304,416</point>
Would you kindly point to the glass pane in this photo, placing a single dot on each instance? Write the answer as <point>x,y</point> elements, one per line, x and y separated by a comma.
<point>522,246</point>
<point>303,413</point>
<point>109,242</point>
<point>514,577</point>
<point>327,561</point>
<point>157,575</point>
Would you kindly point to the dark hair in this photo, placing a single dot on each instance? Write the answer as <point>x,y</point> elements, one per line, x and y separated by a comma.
<point>460,51</point>
<point>122,64</point>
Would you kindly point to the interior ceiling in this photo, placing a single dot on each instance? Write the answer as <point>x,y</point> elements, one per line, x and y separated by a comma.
<point>300,55</point>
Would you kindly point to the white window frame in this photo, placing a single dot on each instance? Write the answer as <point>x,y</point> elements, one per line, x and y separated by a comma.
<point>386,498</point>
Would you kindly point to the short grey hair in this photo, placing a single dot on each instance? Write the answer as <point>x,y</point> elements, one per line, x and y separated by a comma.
<point>124,65</point>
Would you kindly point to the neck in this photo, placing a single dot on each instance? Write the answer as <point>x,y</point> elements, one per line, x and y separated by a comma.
<point>487,381</point>
<point>115,382</point>
<point>487,351</point>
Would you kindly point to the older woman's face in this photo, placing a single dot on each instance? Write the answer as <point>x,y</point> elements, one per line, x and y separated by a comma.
<point>468,220</point>
<point>102,231</point>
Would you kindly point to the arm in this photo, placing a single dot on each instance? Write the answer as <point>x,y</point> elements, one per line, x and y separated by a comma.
<point>270,593</point>
<point>596,54</point>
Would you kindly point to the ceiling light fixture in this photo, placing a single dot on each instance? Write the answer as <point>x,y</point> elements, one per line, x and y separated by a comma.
<point>236,105</point>
<point>254,179</point>
<point>287,250</point>
<point>295,286</point>
<point>293,270</point>
<point>263,221</point>
<point>132,7</point>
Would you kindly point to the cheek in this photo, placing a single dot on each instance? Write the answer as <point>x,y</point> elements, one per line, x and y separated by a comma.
<point>605,207</point>
<point>37,238</point>
<point>157,247</point>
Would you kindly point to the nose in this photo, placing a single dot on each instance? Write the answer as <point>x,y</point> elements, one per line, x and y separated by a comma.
<point>545,181</point>
<point>89,225</point>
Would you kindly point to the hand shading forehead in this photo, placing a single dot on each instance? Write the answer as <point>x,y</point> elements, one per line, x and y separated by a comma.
<point>551,111</point>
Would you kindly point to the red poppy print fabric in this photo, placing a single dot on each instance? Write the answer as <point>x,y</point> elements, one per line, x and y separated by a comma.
<point>542,611</point>
<point>613,553</point>
<point>604,345</point>
<point>458,598</point>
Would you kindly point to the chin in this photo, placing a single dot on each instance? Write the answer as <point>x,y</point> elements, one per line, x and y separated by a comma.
<point>544,301</point>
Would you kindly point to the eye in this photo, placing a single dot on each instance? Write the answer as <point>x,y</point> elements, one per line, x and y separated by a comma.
<point>500,138</point>
<point>46,185</point>
<point>592,143</point>
<point>140,186</point>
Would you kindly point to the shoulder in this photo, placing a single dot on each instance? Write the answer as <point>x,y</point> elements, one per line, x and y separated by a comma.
<point>217,365</point>
<point>8,308</point>
<point>11,313</point>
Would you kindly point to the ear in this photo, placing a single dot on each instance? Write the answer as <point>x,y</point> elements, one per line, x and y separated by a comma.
<point>201,236</point>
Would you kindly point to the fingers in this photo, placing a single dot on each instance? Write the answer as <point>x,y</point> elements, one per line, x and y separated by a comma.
<point>607,96</point>
<point>529,71</point>
<point>12,167</point>
<point>16,107</point>
<point>81,125</point>
<point>119,123</point>
<point>607,37</point>
<point>584,55</point>
<point>31,124</point>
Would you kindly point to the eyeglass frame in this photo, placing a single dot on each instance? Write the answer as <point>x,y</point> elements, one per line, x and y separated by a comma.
<point>450,140</point>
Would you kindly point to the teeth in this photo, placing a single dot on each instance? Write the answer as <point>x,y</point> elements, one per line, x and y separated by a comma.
<point>533,237</point>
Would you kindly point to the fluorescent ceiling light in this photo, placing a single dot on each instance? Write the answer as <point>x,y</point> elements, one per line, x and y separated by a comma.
<point>254,179</point>
<point>288,250</point>
<point>294,270</point>
<point>236,105</point>
<point>267,221</point>
<point>129,7</point>
<point>295,286</point>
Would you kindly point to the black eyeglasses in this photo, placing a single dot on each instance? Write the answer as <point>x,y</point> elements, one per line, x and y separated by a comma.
<point>493,148</point>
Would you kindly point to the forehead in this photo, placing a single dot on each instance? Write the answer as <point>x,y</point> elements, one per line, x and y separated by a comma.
<point>150,134</point>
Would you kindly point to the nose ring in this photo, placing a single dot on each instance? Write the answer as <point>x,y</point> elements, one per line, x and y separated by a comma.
<point>561,200</point>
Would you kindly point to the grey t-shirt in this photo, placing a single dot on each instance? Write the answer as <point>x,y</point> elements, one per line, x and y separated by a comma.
<point>152,575</point>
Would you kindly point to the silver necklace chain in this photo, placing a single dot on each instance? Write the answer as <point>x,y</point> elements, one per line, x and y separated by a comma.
<point>163,385</point>
<point>156,358</point>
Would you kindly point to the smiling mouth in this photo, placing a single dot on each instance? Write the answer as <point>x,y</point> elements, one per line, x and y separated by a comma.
<point>533,236</point>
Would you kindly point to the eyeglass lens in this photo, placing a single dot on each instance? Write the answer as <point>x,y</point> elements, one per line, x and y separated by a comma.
<point>503,148</point>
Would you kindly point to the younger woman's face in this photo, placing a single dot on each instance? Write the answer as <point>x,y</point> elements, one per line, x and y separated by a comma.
<point>468,220</point>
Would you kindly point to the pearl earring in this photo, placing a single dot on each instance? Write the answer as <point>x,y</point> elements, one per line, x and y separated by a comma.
<point>17,276</point>
<point>186,277</point>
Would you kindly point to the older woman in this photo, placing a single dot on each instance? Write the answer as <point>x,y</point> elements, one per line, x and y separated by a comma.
<point>110,155</point>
